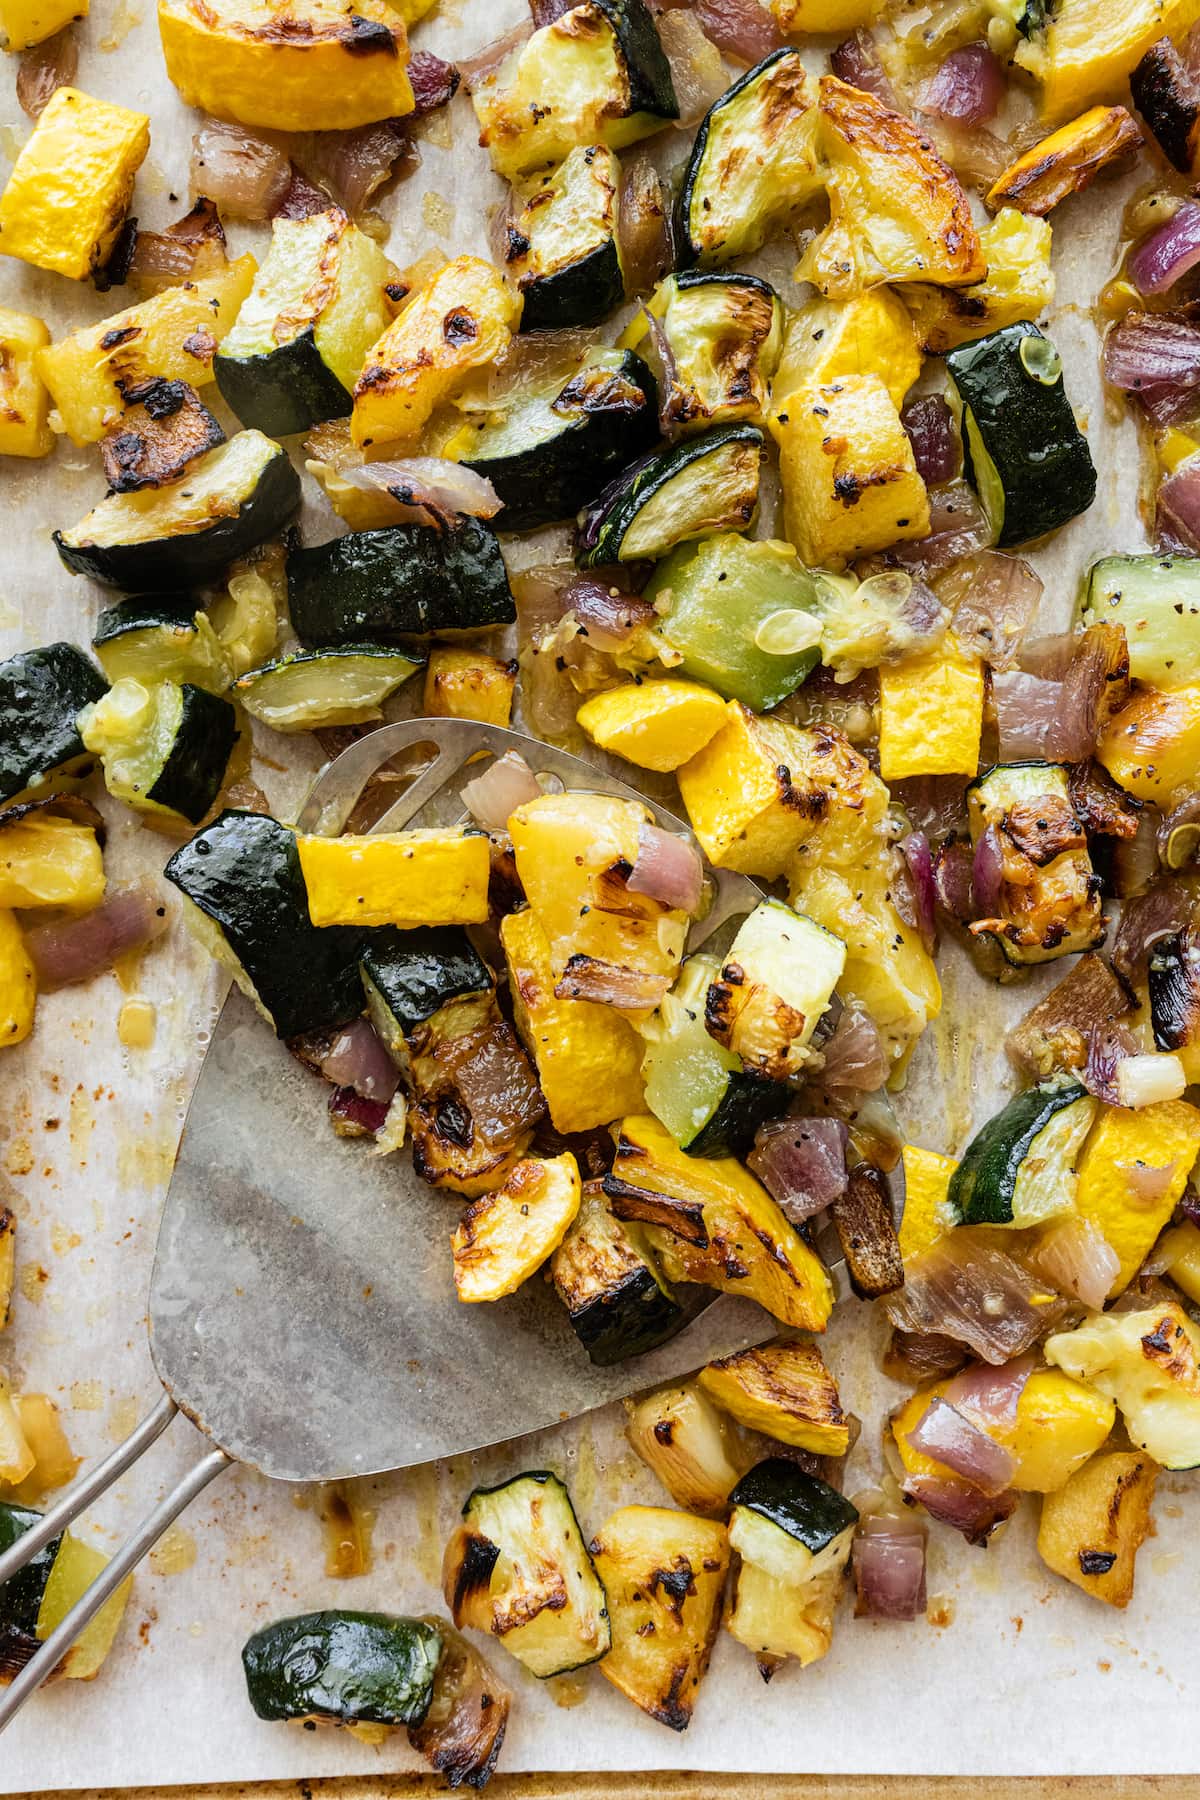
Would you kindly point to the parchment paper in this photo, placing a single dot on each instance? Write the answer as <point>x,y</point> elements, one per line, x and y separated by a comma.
<point>1016,1673</point>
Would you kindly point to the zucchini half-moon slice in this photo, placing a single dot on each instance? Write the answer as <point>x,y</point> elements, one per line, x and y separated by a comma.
<point>42,693</point>
<point>562,247</point>
<point>352,1667</point>
<point>688,490</point>
<point>164,748</point>
<point>344,685</point>
<point>371,587</point>
<point>184,534</point>
<point>161,637</point>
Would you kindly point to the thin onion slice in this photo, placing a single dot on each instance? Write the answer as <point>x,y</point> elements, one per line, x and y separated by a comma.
<point>989,1395</point>
<point>357,1059</point>
<point>962,1505</point>
<point>610,984</point>
<point>43,69</point>
<point>246,176</point>
<point>667,869</point>
<point>963,1287</point>
<point>949,1437</point>
<point>70,950</point>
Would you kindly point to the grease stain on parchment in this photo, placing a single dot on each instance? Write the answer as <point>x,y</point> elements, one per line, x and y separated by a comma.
<point>145,1157</point>
<point>122,1417</point>
<point>87,1396</point>
<point>81,1124</point>
<point>32,1280</point>
<point>174,1552</point>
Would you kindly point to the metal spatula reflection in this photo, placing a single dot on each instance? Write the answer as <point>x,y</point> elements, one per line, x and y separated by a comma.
<point>302,1305</point>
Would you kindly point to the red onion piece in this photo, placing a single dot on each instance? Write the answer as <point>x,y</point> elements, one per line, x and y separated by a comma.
<point>607,617</point>
<point>1050,656</point>
<point>946,1435</point>
<point>743,29</point>
<point>1164,909</point>
<point>353,1116</point>
<point>936,804</point>
<point>856,61</point>
<point>968,87</point>
<point>643,223</point>
<point>915,1358</point>
<point>434,490</point>
<point>1077,1259</point>
<point>1000,598</point>
<point>668,869</point>
<point>957,1503</point>
<point>1028,710</point>
<point>853,1057</point>
<point>1168,253</point>
<point>1178,511</point>
<point>990,1395</point>
<point>245,176</point>
<point>476,69</point>
<point>301,199</point>
<point>70,950</point>
<point>987,873</point>
<point>495,1079</point>
<point>801,1163</point>
<point>434,83</point>
<point>916,852</point>
<point>191,248</point>
<point>610,984</point>
<point>43,69</point>
<point>931,431</point>
<point>963,1287</point>
<point>493,797</point>
<point>697,74</point>
<point>889,1571</point>
<point>357,1059</point>
<point>1156,357</point>
<point>353,165</point>
<point>1108,1045</point>
<point>1149,1182</point>
<point>957,527</point>
<point>953,867</point>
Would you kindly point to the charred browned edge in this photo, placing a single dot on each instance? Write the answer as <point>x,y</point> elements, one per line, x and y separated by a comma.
<point>682,1218</point>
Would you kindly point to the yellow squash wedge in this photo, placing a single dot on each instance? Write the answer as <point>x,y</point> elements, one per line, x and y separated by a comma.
<point>406,878</point>
<point>71,185</point>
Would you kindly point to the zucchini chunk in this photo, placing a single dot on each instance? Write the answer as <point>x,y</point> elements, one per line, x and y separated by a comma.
<point>776,983</point>
<point>160,637</point>
<point>665,1574</point>
<point>1149,1363</point>
<point>164,748</point>
<point>1156,601</point>
<point>710,1221</point>
<point>74,1570</point>
<point>42,693</point>
<point>249,907</point>
<point>554,449</point>
<point>477,1099</point>
<point>371,587</point>
<point>597,74</point>
<point>723,333</point>
<point>784,1390</point>
<point>506,1235</point>
<point>21,1595</point>
<point>709,1103</point>
<point>562,246</point>
<point>1092,1529</point>
<point>687,490</point>
<point>732,608</point>
<point>754,163</point>
<point>352,1667</point>
<point>409,977</point>
<point>1023,453</point>
<point>694,1449</point>
<point>1019,1168</point>
<point>518,1567</point>
<point>790,1524</point>
<point>164,427</point>
<point>304,329</point>
<point>618,1303</point>
<point>1049,903</point>
<point>182,535</point>
<point>1166,94</point>
<point>429,876</point>
<point>1019,284</point>
<point>1173,988</point>
<point>343,685</point>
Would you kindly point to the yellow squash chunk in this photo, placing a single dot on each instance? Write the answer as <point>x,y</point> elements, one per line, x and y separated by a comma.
<point>1059,1424</point>
<point>1088,48</point>
<point>505,1236</point>
<point>8,1261</point>
<point>1119,1151</point>
<point>70,188</point>
<point>774,1618</point>
<point>850,482</point>
<point>871,334</point>
<point>1092,1529</point>
<point>26,22</point>
<point>1180,1249</point>
<point>24,402</point>
<point>47,860</point>
<point>785,1391</point>
<point>469,684</point>
<point>712,1222</point>
<point>926,1194</point>
<point>18,983</point>
<point>588,1057</point>
<point>813,18</point>
<point>761,787</point>
<point>431,877</point>
<point>1067,161</point>
<point>1019,285</point>
<point>654,724</point>
<point>54,1463</point>
<point>574,854</point>
<point>1153,744</point>
<point>311,65</point>
<point>75,1568</point>
<point>930,715</point>
<point>1149,1363</point>
<point>664,1574</point>
<point>461,319</point>
<point>16,1458</point>
<point>887,968</point>
<point>176,335</point>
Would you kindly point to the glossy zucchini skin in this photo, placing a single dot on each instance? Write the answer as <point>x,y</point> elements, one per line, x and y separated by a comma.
<point>582,293</point>
<point>651,89</point>
<point>1041,460</point>
<point>191,776</point>
<point>606,418</point>
<point>691,193</point>
<point>21,1595</point>
<point>42,692</point>
<point>584,289</point>
<point>409,975</point>
<point>981,1187</point>
<point>606,523</point>
<point>190,559</point>
<point>800,1504</point>
<point>285,390</point>
<point>142,612</point>
<point>748,1102</point>
<point>353,1667</point>
<point>618,1304</point>
<point>243,871</point>
<point>397,582</point>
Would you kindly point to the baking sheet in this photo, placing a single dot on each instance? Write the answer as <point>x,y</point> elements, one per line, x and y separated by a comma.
<point>1014,1673</point>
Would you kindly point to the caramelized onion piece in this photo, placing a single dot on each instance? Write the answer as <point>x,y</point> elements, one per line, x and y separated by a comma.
<point>801,1163</point>
<point>461,1733</point>
<point>643,224</point>
<point>963,1287</point>
<point>247,176</point>
<point>43,69</point>
<point>70,950</point>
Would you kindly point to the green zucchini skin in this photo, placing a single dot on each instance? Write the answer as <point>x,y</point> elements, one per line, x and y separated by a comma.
<point>1157,600</point>
<point>608,416</point>
<point>583,293</point>
<point>244,872</point>
<point>191,776</point>
<point>42,692</point>
<point>397,582</point>
<point>617,1302</point>
<point>353,1667</point>
<point>628,1319</point>
<point>651,89</point>
<point>692,198</point>
<point>586,288</point>
<point>1041,459</point>
<point>21,1594</point>
<point>604,524</point>
<point>141,612</point>
<point>802,1505</point>
<point>284,391</point>
<point>410,975</point>
<point>981,1187</point>
<point>748,1102</point>
<point>191,559</point>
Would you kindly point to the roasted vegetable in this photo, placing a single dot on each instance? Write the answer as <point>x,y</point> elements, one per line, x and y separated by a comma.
<point>21,1596</point>
<point>1048,899</point>
<point>1019,1168</point>
<point>1067,161</point>
<point>372,587</point>
<point>1081,51</point>
<point>18,986</point>
<point>469,684</point>
<point>1165,92</point>
<point>352,1667</point>
<point>164,748</point>
<point>927,1212</point>
<point>507,1234</point>
<point>1019,284</point>
<point>160,637</point>
<point>563,249</point>
<point>1059,1424</point>
<point>28,22</point>
<point>1151,747</point>
<point>931,715</point>
<point>862,1218</point>
<point>793,1533</point>
<point>1093,1527</point>
<point>722,334</point>
<point>345,684</point>
<point>776,983</point>
<point>1146,1362</point>
<point>164,427</point>
<point>1156,602</point>
<point>410,977</point>
<point>48,857</point>
<point>687,490</point>
<point>654,724</point>
<point>868,334</point>
<point>665,1575</point>
<point>697,1453</point>
<point>429,876</point>
<point>42,693</point>
<point>1132,1174</point>
<point>604,1274</point>
<point>476,1100</point>
<point>70,186</point>
<point>24,430</point>
<point>464,1725</point>
<point>784,1390</point>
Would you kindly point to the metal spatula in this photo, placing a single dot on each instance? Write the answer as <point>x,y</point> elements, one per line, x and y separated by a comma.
<point>302,1305</point>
